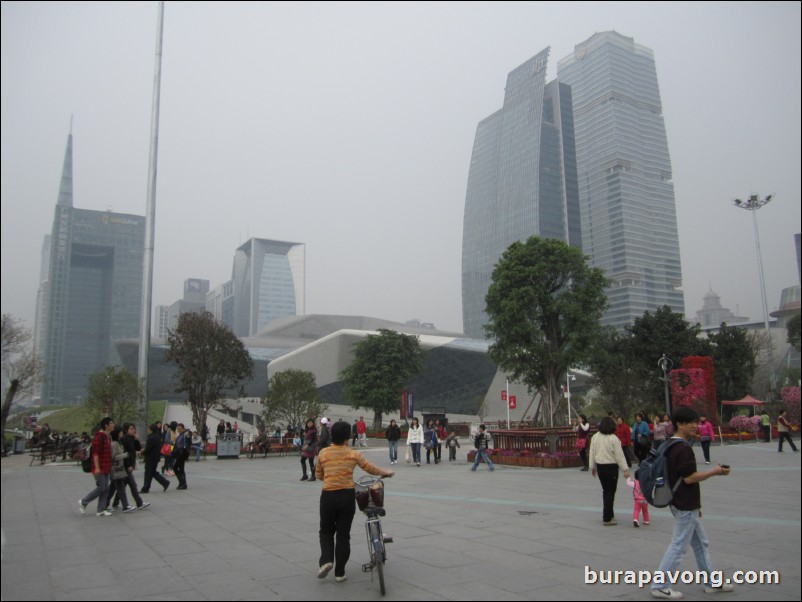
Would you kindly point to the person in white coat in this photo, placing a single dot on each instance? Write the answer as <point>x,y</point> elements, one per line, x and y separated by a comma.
<point>415,440</point>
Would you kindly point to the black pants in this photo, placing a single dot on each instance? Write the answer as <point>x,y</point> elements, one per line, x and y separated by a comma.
<point>438,453</point>
<point>640,451</point>
<point>787,437</point>
<point>311,466</point>
<point>337,509</point>
<point>452,453</point>
<point>583,453</point>
<point>608,476</point>
<point>767,434</point>
<point>118,488</point>
<point>131,483</point>
<point>706,450</point>
<point>181,475</point>
<point>152,472</point>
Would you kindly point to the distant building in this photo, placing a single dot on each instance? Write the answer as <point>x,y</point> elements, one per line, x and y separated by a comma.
<point>626,190</point>
<point>522,181</point>
<point>220,303</point>
<point>269,282</point>
<point>713,314</point>
<point>94,291</point>
<point>161,323</point>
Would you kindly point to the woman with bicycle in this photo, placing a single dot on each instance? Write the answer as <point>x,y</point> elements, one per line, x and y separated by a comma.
<point>335,467</point>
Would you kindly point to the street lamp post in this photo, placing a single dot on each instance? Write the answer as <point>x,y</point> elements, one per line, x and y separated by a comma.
<point>568,378</point>
<point>753,203</point>
<point>665,364</point>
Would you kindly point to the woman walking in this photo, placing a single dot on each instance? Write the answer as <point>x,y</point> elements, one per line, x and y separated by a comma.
<point>606,458</point>
<point>430,441</point>
<point>640,437</point>
<point>335,467</point>
<point>706,435</point>
<point>308,450</point>
<point>393,434</point>
<point>582,431</point>
<point>415,440</point>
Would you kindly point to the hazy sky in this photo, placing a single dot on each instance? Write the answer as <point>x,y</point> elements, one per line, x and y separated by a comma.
<point>349,127</point>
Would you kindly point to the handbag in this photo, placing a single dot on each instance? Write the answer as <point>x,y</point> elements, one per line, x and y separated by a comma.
<point>643,441</point>
<point>582,443</point>
<point>408,457</point>
<point>167,449</point>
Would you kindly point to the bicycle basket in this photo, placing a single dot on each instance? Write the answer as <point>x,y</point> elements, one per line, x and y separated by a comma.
<point>367,494</point>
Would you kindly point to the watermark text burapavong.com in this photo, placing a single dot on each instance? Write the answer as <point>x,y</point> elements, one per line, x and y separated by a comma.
<point>668,578</point>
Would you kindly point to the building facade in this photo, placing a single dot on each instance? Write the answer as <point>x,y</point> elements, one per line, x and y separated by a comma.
<point>269,282</point>
<point>522,181</point>
<point>94,291</point>
<point>629,223</point>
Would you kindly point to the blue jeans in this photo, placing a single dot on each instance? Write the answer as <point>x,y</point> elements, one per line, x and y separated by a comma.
<point>415,452</point>
<point>688,530</point>
<point>482,453</point>
<point>393,451</point>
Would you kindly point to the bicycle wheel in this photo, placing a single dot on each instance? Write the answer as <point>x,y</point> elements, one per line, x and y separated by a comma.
<point>377,554</point>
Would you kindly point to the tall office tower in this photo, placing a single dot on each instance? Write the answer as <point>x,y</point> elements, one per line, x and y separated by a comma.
<point>522,181</point>
<point>94,291</point>
<point>629,221</point>
<point>162,322</point>
<point>269,282</point>
<point>220,303</point>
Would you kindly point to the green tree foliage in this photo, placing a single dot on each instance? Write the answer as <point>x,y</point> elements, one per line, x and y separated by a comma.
<point>734,362</point>
<point>292,397</point>
<point>381,368</point>
<point>115,392</point>
<point>211,362</point>
<point>793,328</point>
<point>625,365</point>
<point>614,368</point>
<point>22,368</point>
<point>544,306</point>
<point>654,334</point>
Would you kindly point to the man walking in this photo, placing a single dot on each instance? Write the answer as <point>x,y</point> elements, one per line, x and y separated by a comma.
<point>480,442</point>
<point>362,432</point>
<point>153,455</point>
<point>131,444</point>
<point>783,426</point>
<point>101,469</point>
<point>686,507</point>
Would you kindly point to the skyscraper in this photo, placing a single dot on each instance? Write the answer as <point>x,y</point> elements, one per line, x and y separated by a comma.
<point>522,180</point>
<point>269,282</point>
<point>93,291</point>
<point>629,222</point>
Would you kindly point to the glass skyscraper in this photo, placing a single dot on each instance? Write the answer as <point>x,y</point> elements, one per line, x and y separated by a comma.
<point>629,222</point>
<point>93,292</point>
<point>522,181</point>
<point>269,282</point>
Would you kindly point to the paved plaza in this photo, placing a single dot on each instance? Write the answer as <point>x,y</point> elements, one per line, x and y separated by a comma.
<point>247,530</point>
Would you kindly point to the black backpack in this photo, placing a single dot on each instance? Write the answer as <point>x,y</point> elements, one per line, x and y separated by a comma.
<point>86,460</point>
<point>652,475</point>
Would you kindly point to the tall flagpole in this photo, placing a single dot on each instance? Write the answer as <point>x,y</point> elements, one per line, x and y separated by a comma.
<point>150,219</point>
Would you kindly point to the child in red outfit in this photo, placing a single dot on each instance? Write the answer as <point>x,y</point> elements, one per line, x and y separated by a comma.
<point>640,502</point>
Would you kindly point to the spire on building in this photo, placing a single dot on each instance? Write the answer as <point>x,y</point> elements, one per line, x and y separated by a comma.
<point>65,189</point>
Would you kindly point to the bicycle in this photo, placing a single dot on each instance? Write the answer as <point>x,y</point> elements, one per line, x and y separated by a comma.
<point>370,499</point>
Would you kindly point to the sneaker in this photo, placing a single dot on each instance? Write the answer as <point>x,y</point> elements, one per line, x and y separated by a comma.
<point>143,505</point>
<point>340,579</point>
<point>129,509</point>
<point>707,462</point>
<point>141,491</point>
<point>636,524</point>
<point>610,523</point>
<point>81,506</point>
<point>105,513</point>
<point>324,570</point>
<point>667,594</point>
<point>646,522</point>
<point>726,587</point>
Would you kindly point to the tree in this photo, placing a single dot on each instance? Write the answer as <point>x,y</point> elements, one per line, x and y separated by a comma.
<point>544,308</point>
<point>793,328</point>
<point>211,362</point>
<point>734,361</point>
<point>115,392</point>
<point>22,368</point>
<point>613,365</point>
<point>292,396</point>
<point>380,370</point>
<point>652,335</point>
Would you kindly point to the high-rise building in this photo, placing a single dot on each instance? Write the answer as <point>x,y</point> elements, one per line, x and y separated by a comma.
<point>522,181</point>
<point>94,291</point>
<point>626,193</point>
<point>269,282</point>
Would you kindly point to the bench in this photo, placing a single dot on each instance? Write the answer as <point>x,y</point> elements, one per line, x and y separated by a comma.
<point>67,449</point>
<point>275,445</point>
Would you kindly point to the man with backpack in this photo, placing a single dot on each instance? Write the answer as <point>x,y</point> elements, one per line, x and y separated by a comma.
<point>686,506</point>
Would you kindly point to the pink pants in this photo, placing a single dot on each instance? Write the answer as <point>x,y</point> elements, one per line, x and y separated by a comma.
<point>642,506</point>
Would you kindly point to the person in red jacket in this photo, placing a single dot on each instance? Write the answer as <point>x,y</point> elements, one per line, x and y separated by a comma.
<point>623,432</point>
<point>361,431</point>
<point>101,469</point>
